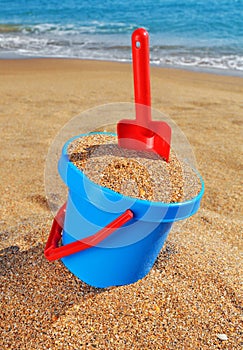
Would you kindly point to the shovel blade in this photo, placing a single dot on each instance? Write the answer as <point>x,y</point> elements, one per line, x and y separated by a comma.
<point>154,138</point>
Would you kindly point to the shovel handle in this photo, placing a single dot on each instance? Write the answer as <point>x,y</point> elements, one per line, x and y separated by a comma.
<point>54,252</point>
<point>141,75</point>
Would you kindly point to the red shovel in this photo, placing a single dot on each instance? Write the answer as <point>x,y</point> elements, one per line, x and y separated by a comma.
<point>143,134</point>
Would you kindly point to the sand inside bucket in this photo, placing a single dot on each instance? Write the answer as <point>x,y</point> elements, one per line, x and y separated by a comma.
<point>139,174</point>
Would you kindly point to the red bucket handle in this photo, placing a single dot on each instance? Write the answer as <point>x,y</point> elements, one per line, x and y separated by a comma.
<point>53,251</point>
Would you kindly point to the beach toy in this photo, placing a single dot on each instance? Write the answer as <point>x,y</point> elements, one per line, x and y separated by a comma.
<point>108,239</point>
<point>104,237</point>
<point>143,133</point>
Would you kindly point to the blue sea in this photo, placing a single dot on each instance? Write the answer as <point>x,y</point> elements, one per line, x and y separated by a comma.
<point>203,34</point>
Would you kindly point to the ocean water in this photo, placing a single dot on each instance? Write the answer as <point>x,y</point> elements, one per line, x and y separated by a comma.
<point>194,34</point>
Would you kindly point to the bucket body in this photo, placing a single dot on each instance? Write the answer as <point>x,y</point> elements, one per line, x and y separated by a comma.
<point>129,253</point>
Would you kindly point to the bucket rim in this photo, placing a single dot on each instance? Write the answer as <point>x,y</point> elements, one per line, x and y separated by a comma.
<point>110,192</point>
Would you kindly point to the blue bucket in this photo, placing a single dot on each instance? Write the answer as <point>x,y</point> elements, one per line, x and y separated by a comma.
<point>128,254</point>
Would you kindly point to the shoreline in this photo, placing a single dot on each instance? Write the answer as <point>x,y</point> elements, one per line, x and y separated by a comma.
<point>196,69</point>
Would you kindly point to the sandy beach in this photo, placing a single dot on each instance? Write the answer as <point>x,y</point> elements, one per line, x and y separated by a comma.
<point>192,298</point>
